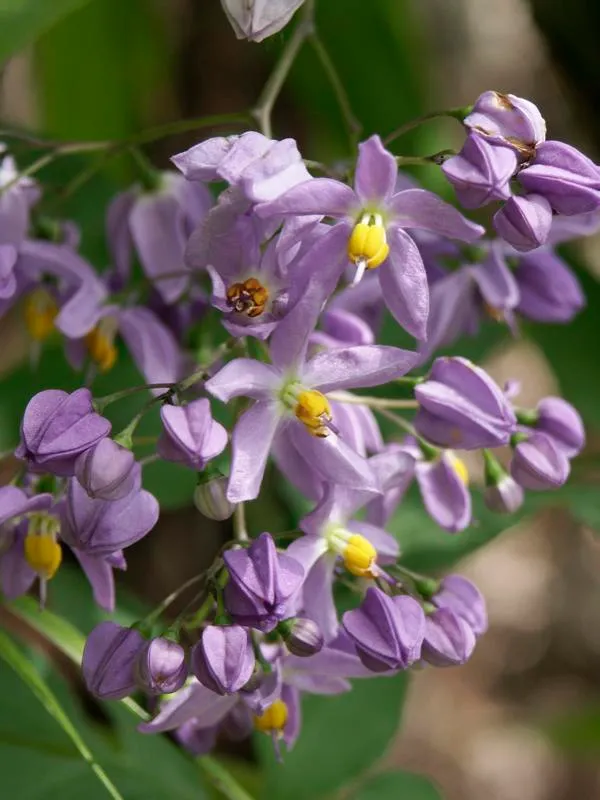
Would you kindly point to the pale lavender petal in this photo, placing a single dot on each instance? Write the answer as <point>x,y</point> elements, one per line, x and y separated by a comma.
<point>100,575</point>
<point>193,701</point>
<point>293,465</point>
<point>418,208</point>
<point>251,443</point>
<point>445,496</point>
<point>357,367</point>
<point>323,196</point>
<point>317,595</point>
<point>376,170</point>
<point>495,280</point>
<point>335,461</point>
<point>152,345</point>
<point>244,377</point>
<point>404,284</point>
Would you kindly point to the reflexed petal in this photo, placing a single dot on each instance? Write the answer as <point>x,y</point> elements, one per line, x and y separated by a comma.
<point>251,444</point>
<point>190,702</point>
<point>446,498</point>
<point>317,594</point>
<point>357,367</point>
<point>323,196</point>
<point>404,284</point>
<point>244,377</point>
<point>418,208</point>
<point>100,575</point>
<point>152,345</point>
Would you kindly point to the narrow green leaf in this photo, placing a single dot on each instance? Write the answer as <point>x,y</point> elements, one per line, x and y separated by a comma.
<point>19,663</point>
<point>24,21</point>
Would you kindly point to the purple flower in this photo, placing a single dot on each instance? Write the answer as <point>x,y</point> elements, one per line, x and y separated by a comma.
<point>539,464</point>
<point>567,179</point>
<point>508,120</point>
<point>464,599</point>
<point>481,172</point>
<point>443,483</point>
<point>161,666</point>
<point>257,19</point>
<point>524,222</point>
<point>449,640</point>
<point>292,394</point>
<point>461,406</point>
<point>190,434</point>
<point>157,223</point>
<point>562,423</point>
<point>388,631</point>
<point>332,535</point>
<point>548,289</point>
<point>505,496</point>
<point>223,659</point>
<point>371,232</point>
<point>106,471</point>
<point>109,660</point>
<point>100,527</point>
<point>56,428</point>
<point>261,582</point>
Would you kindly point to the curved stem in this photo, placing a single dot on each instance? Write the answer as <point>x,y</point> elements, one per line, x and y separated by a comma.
<point>454,113</point>
<point>372,402</point>
<point>264,105</point>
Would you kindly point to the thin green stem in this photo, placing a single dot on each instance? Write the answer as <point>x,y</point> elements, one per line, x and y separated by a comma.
<point>100,403</point>
<point>264,105</point>
<point>372,402</point>
<point>240,529</point>
<point>156,613</point>
<point>399,421</point>
<point>436,158</point>
<point>454,113</point>
<point>351,123</point>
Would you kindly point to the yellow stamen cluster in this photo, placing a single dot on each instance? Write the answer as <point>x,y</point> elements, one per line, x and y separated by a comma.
<point>40,311</point>
<point>249,297</point>
<point>42,552</point>
<point>360,556</point>
<point>101,346</point>
<point>273,720</point>
<point>367,244</point>
<point>314,412</point>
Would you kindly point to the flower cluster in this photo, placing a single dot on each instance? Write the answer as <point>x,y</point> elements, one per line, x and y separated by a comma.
<point>301,271</point>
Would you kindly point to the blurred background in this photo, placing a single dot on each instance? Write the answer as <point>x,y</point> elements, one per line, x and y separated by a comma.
<point>522,719</point>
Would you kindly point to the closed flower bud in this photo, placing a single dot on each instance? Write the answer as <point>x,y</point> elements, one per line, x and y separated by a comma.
<point>257,19</point>
<point>106,471</point>
<point>387,631</point>
<point>505,497</point>
<point>539,464</point>
<point>449,640</point>
<point>109,660</point>
<point>562,423</point>
<point>548,289</point>
<point>508,120</point>
<point>481,172</point>
<point>161,666</point>
<point>568,180</point>
<point>524,222</point>
<point>464,599</point>
<point>190,434</point>
<point>223,660</point>
<point>443,484</point>
<point>302,637</point>
<point>461,406</point>
<point>210,497</point>
<point>56,428</point>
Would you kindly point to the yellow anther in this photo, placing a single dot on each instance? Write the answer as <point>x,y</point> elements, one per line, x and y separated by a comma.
<point>43,554</point>
<point>459,466</point>
<point>40,312</point>
<point>368,245</point>
<point>101,347</point>
<point>360,556</point>
<point>273,720</point>
<point>314,411</point>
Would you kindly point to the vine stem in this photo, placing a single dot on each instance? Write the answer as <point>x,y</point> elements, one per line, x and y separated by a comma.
<point>372,402</point>
<point>264,105</point>
<point>240,528</point>
<point>454,113</point>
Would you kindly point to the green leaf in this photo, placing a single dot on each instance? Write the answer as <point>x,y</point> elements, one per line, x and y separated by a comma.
<point>576,733</point>
<point>20,664</point>
<point>397,786</point>
<point>23,21</point>
<point>342,736</point>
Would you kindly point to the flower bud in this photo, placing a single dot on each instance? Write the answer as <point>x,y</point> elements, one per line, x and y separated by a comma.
<point>562,423</point>
<point>449,640</point>
<point>481,172</point>
<point>223,660</point>
<point>302,636</point>
<point>548,289</point>
<point>109,660</point>
<point>210,496</point>
<point>538,464</point>
<point>190,434</point>
<point>106,471</point>
<point>387,631</point>
<point>161,666</point>
<point>508,120</point>
<point>505,497</point>
<point>465,600</point>
<point>255,20</point>
<point>524,222</point>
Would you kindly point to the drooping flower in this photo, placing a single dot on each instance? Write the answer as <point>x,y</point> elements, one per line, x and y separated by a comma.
<point>223,660</point>
<point>371,233</point>
<point>106,470</point>
<point>57,427</point>
<point>443,483</point>
<point>109,660</point>
<point>539,464</point>
<point>524,221</point>
<point>509,121</point>
<point>190,435</point>
<point>481,172</point>
<point>161,666</point>
<point>463,598</point>
<point>559,420</point>
<point>449,640</point>
<point>261,582</point>
<point>461,406</point>
<point>255,20</point>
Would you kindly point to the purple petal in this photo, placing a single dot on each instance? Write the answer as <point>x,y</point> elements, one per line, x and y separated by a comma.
<point>193,701</point>
<point>445,496</point>
<point>317,594</point>
<point>376,171</point>
<point>323,196</point>
<point>244,377</point>
<point>251,443</point>
<point>357,367</point>
<point>118,235</point>
<point>418,208</point>
<point>152,345</point>
<point>100,575</point>
<point>404,284</point>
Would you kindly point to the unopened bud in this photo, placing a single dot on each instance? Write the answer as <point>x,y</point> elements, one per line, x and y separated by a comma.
<point>302,636</point>
<point>109,659</point>
<point>210,497</point>
<point>502,493</point>
<point>161,666</point>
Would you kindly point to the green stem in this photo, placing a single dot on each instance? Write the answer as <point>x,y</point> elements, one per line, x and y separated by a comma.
<point>399,421</point>
<point>454,113</point>
<point>352,125</point>
<point>222,780</point>
<point>156,613</point>
<point>264,106</point>
<point>100,403</point>
<point>372,402</point>
<point>436,158</point>
<point>239,523</point>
